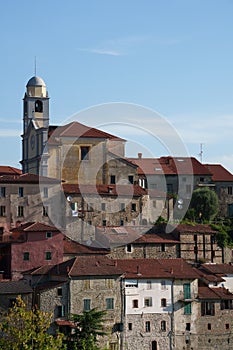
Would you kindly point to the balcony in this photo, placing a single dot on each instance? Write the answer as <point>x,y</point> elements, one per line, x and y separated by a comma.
<point>186,297</point>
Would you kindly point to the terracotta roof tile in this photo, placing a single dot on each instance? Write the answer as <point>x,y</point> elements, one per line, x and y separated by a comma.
<point>111,190</point>
<point>205,292</point>
<point>34,227</point>
<point>73,247</point>
<point>27,178</point>
<point>14,287</point>
<point>9,170</point>
<point>78,130</point>
<point>170,166</point>
<point>221,269</point>
<point>219,173</point>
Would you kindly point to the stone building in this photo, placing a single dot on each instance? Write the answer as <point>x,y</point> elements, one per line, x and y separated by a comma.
<point>27,198</point>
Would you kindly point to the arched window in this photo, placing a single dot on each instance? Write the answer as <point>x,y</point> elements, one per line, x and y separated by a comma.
<point>38,106</point>
<point>154,345</point>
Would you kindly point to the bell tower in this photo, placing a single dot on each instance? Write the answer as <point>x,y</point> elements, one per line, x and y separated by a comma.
<point>35,124</point>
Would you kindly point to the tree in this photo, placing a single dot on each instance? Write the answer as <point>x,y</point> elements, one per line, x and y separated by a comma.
<point>27,329</point>
<point>88,326</point>
<point>204,204</point>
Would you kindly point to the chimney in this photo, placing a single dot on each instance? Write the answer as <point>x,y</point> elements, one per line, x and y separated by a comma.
<point>139,155</point>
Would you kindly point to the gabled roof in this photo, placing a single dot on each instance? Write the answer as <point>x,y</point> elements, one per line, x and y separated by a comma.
<point>73,247</point>
<point>78,130</point>
<point>219,173</point>
<point>14,287</point>
<point>170,166</point>
<point>156,239</point>
<point>157,268</point>
<point>27,179</point>
<point>183,228</point>
<point>220,269</point>
<point>34,227</point>
<point>109,190</point>
<point>9,170</point>
<point>205,292</point>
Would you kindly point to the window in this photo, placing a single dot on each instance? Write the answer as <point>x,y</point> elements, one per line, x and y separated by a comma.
<point>195,237</point>
<point>129,248</point>
<point>188,188</point>
<point>163,326</point>
<point>2,210</point>
<point>112,179</point>
<point>227,326</point>
<point>130,179</point>
<point>48,235</point>
<point>163,247</point>
<point>113,346</point>
<point>184,179</point>
<point>109,283</point>
<point>38,106</point>
<point>59,291</point>
<point>163,285</point>
<point>48,255</point>
<point>26,256</point>
<point>20,191</point>
<point>12,302</point>
<point>148,302</point>
<point>20,211</point>
<point>188,326</point>
<point>60,311</point>
<point>188,309</point>
<point>135,303</point>
<point>148,284</point>
<point>133,207</point>
<point>45,210</point>
<point>163,302</point>
<point>147,326</point>
<point>207,308</point>
<point>130,326</point>
<point>229,190</point>
<point>85,152</point>
<point>209,326</point>
<point>2,191</point>
<point>122,206</point>
<point>103,206</point>
<point>187,290</point>
<point>109,303</point>
<point>154,345</point>
<point>45,192</point>
<point>226,304</point>
<point>104,223</point>
<point>121,222</point>
<point>169,188</point>
<point>87,284</point>
<point>86,304</point>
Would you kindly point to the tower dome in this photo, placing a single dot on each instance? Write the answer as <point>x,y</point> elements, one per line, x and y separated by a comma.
<point>36,81</point>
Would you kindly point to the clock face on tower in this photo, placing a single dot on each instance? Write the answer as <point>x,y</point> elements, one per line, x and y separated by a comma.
<point>32,141</point>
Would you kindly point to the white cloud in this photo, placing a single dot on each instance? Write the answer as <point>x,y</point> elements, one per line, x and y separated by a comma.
<point>102,51</point>
<point>10,133</point>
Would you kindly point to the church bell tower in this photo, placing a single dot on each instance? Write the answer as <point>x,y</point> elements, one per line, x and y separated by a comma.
<point>35,125</point>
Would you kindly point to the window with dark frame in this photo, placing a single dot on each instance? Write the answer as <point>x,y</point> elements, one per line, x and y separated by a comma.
<point>86,304</point>
<point>163,326</point>
<point>148,302</point>
<point>59,291</point>
<point>130,326</point>
<point>112,179</point>
<point>21,191</point>
<point>26,256</point>
<point>163,302</point>
<point>147,326</point>
<point>2,191</point>
<point>48,256</point>
<point>109,303</point>
<point>20,211</point>
<point>135,303</point>
<point>2,210</point>
<point>130,178</point>
<point>85,152</point>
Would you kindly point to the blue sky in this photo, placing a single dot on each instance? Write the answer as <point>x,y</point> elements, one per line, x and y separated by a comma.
<point>172,56</point>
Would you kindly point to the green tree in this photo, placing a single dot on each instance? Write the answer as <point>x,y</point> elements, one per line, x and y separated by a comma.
<point>27,329</point>
<point>204,204</point>
<point>88,326</point>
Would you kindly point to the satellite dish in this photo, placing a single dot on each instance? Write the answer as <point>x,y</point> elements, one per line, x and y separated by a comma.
<point>69,199</point>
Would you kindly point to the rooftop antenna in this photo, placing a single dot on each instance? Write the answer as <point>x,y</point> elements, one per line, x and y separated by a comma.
<point>201,152</point>
<point>35,66</point>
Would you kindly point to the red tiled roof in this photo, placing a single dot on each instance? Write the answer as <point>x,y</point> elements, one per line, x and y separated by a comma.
<point>170,166</point>
<point>9,170</point>
<point>94,266</point>
<point>221,269</point>
<point>78,130</point>
<point>156,238</point>
<point>219,172</point>
<point>111,190</point>
<point>157,268</point>
<point>183,228</point>
<point>72,247</point>
<point>34,227</point>
<point>208,276</point>
<point>64,323</point>
<point>27,178</point>
<point>205,292</point>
